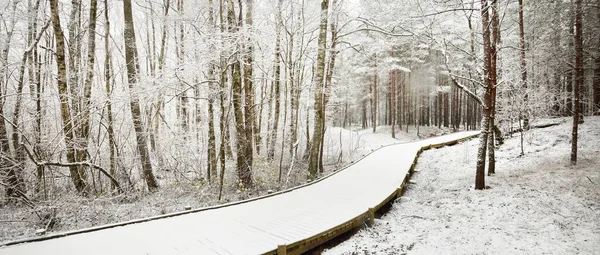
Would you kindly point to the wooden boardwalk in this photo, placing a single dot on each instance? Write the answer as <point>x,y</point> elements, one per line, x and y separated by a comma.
<point>292,221</point>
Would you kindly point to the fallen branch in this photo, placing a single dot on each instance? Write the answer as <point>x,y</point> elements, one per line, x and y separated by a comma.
<point>88,164</point>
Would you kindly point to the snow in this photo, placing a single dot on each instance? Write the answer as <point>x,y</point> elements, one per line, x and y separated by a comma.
<point>71,212</point>
<point>537,204</point>
<point>258,226</point>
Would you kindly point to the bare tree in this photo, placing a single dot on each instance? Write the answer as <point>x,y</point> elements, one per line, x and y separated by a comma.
<point>315,161</point>
<point>244,164</point>
<point>487,102</point>
<point>132,63</point>
<point>276,84</point>
<point>77,175</point>
<point>578,40</point>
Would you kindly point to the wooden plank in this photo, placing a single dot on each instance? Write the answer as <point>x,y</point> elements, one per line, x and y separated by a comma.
<point>301,218</point>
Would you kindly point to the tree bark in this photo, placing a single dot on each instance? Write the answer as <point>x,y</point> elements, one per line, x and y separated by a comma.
<point>375,98</point>
<point>244,165</point>
<point>487,106</point>
<point>523,63</point>
<point>596,85</point>
<point>249,109</point>
<point>77,177</point>
<point>495,40</point>
<point>314,159</point>
<point>578,41</point>
<point>276,83</point>
<point>82,152</point>
<point>211,169</point>
<point>132,61</point>
<point>393,102</point>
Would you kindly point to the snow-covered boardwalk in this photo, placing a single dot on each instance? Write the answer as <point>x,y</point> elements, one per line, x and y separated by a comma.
<point>295,220</point>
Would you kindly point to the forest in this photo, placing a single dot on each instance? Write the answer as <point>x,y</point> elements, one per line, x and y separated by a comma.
<point>213,101</point>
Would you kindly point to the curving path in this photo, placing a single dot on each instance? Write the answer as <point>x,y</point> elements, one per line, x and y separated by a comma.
<point>292,221</point>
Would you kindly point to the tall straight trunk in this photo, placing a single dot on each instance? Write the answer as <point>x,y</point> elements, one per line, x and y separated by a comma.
<point>292,88</point>
<point>270,102</point>
<point>108,88</point>
<point>244,165</point>
<point>487,106</point>
<point>132,61</point>
<point>35,91</point>
<point>446,108</point>
<point>523,63</point>
<point>596,84</point>
<point>495,40</point>
<point>399,95</point>
<point>259,122</point>
<point>5,154</point>
<point>222,122</point>
<point>74,58</point>
<point>328,78</point>
<point>570,72</point>
<point>393,102</point>
<point>276,83</point>
<point>82,152</point>
<point>578,40</point>
<point>249,109</point>
<point>16,171</point>
<point>375,97</point>
<point>315,161</point>
<point>154,133</point>
<point>182,99</point>
<point>211,166</point>
<point>77,177</point>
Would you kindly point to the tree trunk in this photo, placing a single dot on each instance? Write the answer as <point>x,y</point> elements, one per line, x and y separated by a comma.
<point>375,99</point>
<point>523,63</point>
<point>132,61</point>
<point>77,177</point>
<point>276,83</point>
<point>107,83</point>
<point>393,102</point>
<point>82,152</point>
<point>249,109</point>
<point>244,165</point>
<point>487,106</point>
<point>315,160</point>
<point>495,39</point>
<point>596,84</point>
<point>578,41</point>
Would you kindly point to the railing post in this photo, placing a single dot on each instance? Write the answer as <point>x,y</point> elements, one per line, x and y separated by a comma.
<point>371,216</point>
<point>282,249</point>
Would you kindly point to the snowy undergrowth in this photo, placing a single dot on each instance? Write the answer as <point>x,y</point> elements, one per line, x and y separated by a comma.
<point>71,212</point>
<point>537,204</point>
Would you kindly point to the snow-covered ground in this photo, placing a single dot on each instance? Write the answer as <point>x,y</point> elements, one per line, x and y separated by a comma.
<point>71,212</point>
<point>537,204</point>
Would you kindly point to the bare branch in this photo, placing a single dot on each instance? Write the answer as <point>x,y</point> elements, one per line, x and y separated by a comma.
<point>88,164</point>
<point>458,84</point>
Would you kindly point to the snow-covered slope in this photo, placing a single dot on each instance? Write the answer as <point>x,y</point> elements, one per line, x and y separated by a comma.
<point>538,203</point>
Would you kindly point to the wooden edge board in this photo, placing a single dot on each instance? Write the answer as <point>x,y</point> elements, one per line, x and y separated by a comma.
<point>305,245</point>
<point>142,220</point>
<point>301,246</point>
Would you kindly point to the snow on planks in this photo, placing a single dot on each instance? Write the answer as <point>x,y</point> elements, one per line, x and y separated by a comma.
<point>295,220</point>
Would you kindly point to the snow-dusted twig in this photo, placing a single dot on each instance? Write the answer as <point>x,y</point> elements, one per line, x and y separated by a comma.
<point>86,163</point>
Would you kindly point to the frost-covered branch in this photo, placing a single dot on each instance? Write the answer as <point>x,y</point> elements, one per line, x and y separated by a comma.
<point>86,163</point>
<point>458,84</point>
